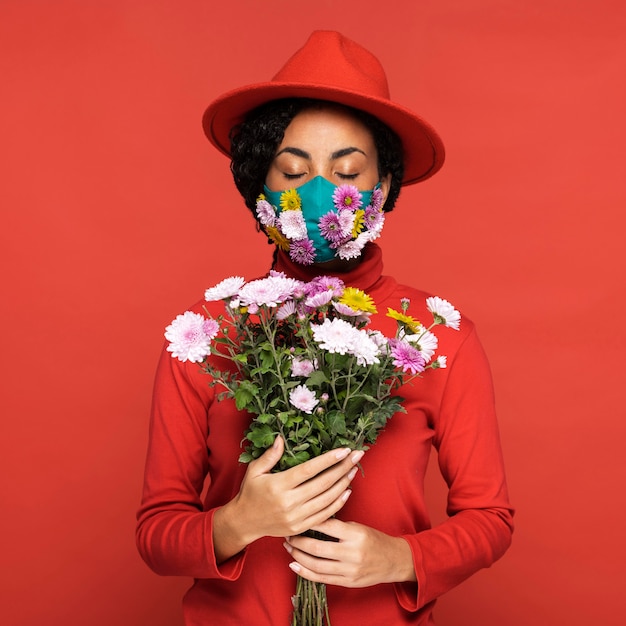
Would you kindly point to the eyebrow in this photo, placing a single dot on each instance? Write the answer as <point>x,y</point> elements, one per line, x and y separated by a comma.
<point>305,155</point>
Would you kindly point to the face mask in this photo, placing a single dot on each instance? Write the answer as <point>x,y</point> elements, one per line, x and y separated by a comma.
<point>319,221</point>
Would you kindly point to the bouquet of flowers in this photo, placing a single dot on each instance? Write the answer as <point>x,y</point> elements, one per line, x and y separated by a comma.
<point>305,364</point>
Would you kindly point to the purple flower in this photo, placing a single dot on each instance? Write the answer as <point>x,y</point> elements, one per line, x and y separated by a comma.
<point>377,199</point>
<point>374,220</point>
<point>347,197</point>
<point>265,213</point>
<point>325,283</point>
<point>330,227</point>
<point>406,357</point>
<point>302,251</point>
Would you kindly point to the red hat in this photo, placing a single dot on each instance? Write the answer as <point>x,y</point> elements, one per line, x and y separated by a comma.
<point>332,67</point>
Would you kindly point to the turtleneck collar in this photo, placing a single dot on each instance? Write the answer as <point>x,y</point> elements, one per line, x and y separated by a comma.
<point>367,275</point>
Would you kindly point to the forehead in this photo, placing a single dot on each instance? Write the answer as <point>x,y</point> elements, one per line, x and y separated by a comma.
<point>328,126</point>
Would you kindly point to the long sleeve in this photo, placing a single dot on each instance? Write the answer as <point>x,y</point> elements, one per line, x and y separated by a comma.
<point>479,528</point>
<point>174,531</point>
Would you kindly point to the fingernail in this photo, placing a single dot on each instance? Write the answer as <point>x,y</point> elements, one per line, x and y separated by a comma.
<point>287,547</point>
<point>357,456</point>
<point>342,453</point>
<point>295,567</point>
<point>346,495</point>
<point>352,473</point>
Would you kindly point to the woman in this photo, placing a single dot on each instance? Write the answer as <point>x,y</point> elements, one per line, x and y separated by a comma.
<point>323,121</point>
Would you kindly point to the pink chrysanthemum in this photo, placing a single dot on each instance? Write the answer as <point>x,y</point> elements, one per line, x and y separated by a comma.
<point>190,336</point>
<point>292,224</point>
<point>303,398</point>
<point>352,249</point>
<point>377,199</point>
<point>374,220</point>
<point>346,222</point>
<point>286,310</point>
<point>406,357</point>
<point>265,213</point>
<point>302,367</point>
<point>331,228</point>
<point>226,288</point>
<point>325,283</point>
<point>302,251</point>
<point>319,299</point>
<point>270,291</point>
<point>443,312</point>
<point>347,197</point>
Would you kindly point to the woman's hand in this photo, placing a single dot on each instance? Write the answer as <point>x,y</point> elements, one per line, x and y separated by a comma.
<point>361,557</point>
<point>284,503</point>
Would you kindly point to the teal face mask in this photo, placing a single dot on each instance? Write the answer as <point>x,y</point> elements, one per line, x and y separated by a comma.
<point>319,221</point>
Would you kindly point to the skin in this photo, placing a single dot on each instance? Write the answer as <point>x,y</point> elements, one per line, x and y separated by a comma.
<point>331,143</point>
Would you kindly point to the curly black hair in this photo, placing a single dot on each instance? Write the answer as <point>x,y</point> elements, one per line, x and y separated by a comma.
<point>255,141</point>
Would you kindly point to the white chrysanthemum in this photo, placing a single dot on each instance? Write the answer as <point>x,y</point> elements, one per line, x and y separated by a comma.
<point>365,349</point>
<point>440,362</point>
<point>336,335</point>
<point>270,291</point>
<point>224,289</point>
<point>292,224</point>
<point>443,312</point>
<point>425,341</point>
<point>303,398</point>
<point>340,337</point>
<point>190,336</point>
<point>378,338</point>
<point>352,249</point>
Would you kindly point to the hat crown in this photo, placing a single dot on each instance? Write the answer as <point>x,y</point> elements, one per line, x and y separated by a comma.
<point>328,58</point>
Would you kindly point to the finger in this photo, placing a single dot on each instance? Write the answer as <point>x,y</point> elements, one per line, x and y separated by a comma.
<point>269,458</point>
<point>333,527</point>
<point>316,465</point>
<point>340,468</point>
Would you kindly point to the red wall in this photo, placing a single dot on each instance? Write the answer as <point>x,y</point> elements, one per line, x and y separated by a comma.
<point>116,214</point>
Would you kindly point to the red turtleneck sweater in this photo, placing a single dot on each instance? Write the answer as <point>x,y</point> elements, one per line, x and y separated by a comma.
<point>195,442</point>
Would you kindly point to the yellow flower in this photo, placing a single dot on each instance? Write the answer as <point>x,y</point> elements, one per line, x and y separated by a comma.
<point>357,300</point>
<point>410,322</point>
<point>278,238</point>
<point>290,200</point>
<point>359,218</point>
<point>261,197</point>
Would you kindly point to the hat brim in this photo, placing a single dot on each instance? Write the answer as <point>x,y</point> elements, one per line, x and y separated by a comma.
<point>422,147</point>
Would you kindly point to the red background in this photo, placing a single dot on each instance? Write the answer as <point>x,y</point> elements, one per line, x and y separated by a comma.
<point>117,214</point>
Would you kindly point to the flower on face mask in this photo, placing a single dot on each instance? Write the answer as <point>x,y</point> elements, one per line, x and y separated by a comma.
<point>377,199</point>
<point>265,212</point>
<point>359,221</point>
<point>352,249</point>
<point>277,237</point>
<point>293,225</point>
<point>302,251</point>
<point>347,197</point>
<point>290,200</point>
<point>331,227</point>
<point>374,220</point>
